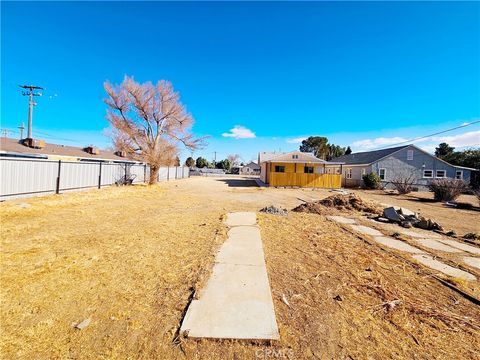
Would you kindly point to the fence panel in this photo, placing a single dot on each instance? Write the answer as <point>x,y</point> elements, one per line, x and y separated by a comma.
<point>171,173</point>
<point>30,177</point>
<point>76,175</point>
<point>112,173</point>
<point>27,177</point>
<point>163,174</point>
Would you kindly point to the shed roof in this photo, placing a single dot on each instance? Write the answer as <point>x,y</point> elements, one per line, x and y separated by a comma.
<point>14,147</point>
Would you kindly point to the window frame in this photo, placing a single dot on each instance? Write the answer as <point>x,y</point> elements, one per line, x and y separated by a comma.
<point>384,173</point>
<point>409,152</point>
<point>427,177</point>
<point>295,156</point>
<point>461,174</point>
<point>348,173</point>
<point>440,177</point>
<point>277,167</point>
<point>308,172</point>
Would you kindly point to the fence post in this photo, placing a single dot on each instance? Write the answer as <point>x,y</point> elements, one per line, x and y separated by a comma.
<point>168,173</point>
<point>57,189</point>
<point>176,172</point>
<point>125,178</point>
<point>144,173</point>
<point>100,176</point>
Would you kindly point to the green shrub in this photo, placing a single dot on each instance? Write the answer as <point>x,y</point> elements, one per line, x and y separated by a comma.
<point>371,181</point>
<point>447,189</point>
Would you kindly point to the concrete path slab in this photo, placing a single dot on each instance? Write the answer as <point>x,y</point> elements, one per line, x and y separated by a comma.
<point>415,234</point>
<point>462,246</point>
<point>429,261</point>
<point>242,250</point>
<point>366,230</point>
<point>437,245</point>
<point>241,218</point>
<point>398,245</point>
<point>341,219</point>
<point>236,303</point>
<point>472,261</point>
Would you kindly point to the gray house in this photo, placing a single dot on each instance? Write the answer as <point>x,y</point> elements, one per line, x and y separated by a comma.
<point>399,162</point>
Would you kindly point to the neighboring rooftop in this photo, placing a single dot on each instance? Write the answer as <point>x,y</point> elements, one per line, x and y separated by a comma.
<point>13,147</point>
<point>367,157</point>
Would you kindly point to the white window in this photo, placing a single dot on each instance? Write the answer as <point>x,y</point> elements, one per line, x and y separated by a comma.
<point>294,156</point>
<point>441,173</point>
<point>382,173</point>
<point>428,173</point>
<point>459,174</point>
<point>364,172</point>
<point>409,154</point>
<point>348,173</point>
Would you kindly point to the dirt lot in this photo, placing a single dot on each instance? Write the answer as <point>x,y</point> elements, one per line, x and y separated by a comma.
<point>130,258</point>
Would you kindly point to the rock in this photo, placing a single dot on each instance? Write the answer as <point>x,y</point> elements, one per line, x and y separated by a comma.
<point>406,224</point>
<point>382,219</point>
<point>274,210</point>
<point>391,214</point>
<point>82,325</point>
<point>451,233</point>
<point>406,212</point>
<point>424,224</point>
<point>338,298</point>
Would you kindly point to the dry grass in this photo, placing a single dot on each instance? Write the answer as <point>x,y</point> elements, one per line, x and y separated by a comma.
<point>130,258</point>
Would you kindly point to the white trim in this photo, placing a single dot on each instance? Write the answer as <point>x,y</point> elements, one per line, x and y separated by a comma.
<point>348,173</point>
<point>364,171</point>
<point>441,177</point>
<point>461,174</point>
<point>427,177</point>
<point>384,173</point>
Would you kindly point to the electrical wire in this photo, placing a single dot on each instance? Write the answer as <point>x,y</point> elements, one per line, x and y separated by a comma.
<point>427,136</point>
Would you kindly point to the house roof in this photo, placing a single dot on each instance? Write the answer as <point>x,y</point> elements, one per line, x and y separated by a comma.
<point>367,157</point>
<point>252,165</point>
<point>13,147</point>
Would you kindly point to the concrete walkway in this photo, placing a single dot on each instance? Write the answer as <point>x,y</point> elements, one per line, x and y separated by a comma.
<point>437,243</point>
<point>236,302</point>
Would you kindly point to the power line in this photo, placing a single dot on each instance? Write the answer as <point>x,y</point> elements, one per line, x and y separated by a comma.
<point>427,136</point>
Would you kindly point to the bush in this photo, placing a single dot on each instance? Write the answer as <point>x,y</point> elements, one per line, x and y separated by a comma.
<point>447,189</point>
<point>404,184</point>
<point>371,181</point>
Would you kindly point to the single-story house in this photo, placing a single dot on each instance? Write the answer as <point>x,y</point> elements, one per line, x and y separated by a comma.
<point>300,169</point>
<point>251,168</point>
<point>16,148</point>
<point>398,163</point>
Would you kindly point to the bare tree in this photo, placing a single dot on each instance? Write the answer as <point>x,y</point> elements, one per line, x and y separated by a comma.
<point>234,159</point>
<point>149,122</point>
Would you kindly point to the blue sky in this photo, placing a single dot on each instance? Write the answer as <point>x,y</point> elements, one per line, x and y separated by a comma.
<point>366,74</point>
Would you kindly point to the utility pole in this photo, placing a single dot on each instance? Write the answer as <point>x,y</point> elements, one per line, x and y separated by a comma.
<point>214,159</point>
<point>5,132</point>
<point>30,93</point>
<point>22,127</point>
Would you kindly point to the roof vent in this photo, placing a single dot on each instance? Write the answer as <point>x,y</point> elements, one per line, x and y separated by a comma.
<point>92,150</point>
<point>121,153</point>
<point>34,143</point>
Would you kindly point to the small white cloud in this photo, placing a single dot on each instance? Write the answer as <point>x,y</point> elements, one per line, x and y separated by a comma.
<point>296,140</point>
<point>240,132</point>
<point>368,144</point>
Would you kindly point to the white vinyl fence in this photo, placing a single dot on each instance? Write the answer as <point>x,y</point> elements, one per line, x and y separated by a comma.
<point>34,177</point>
